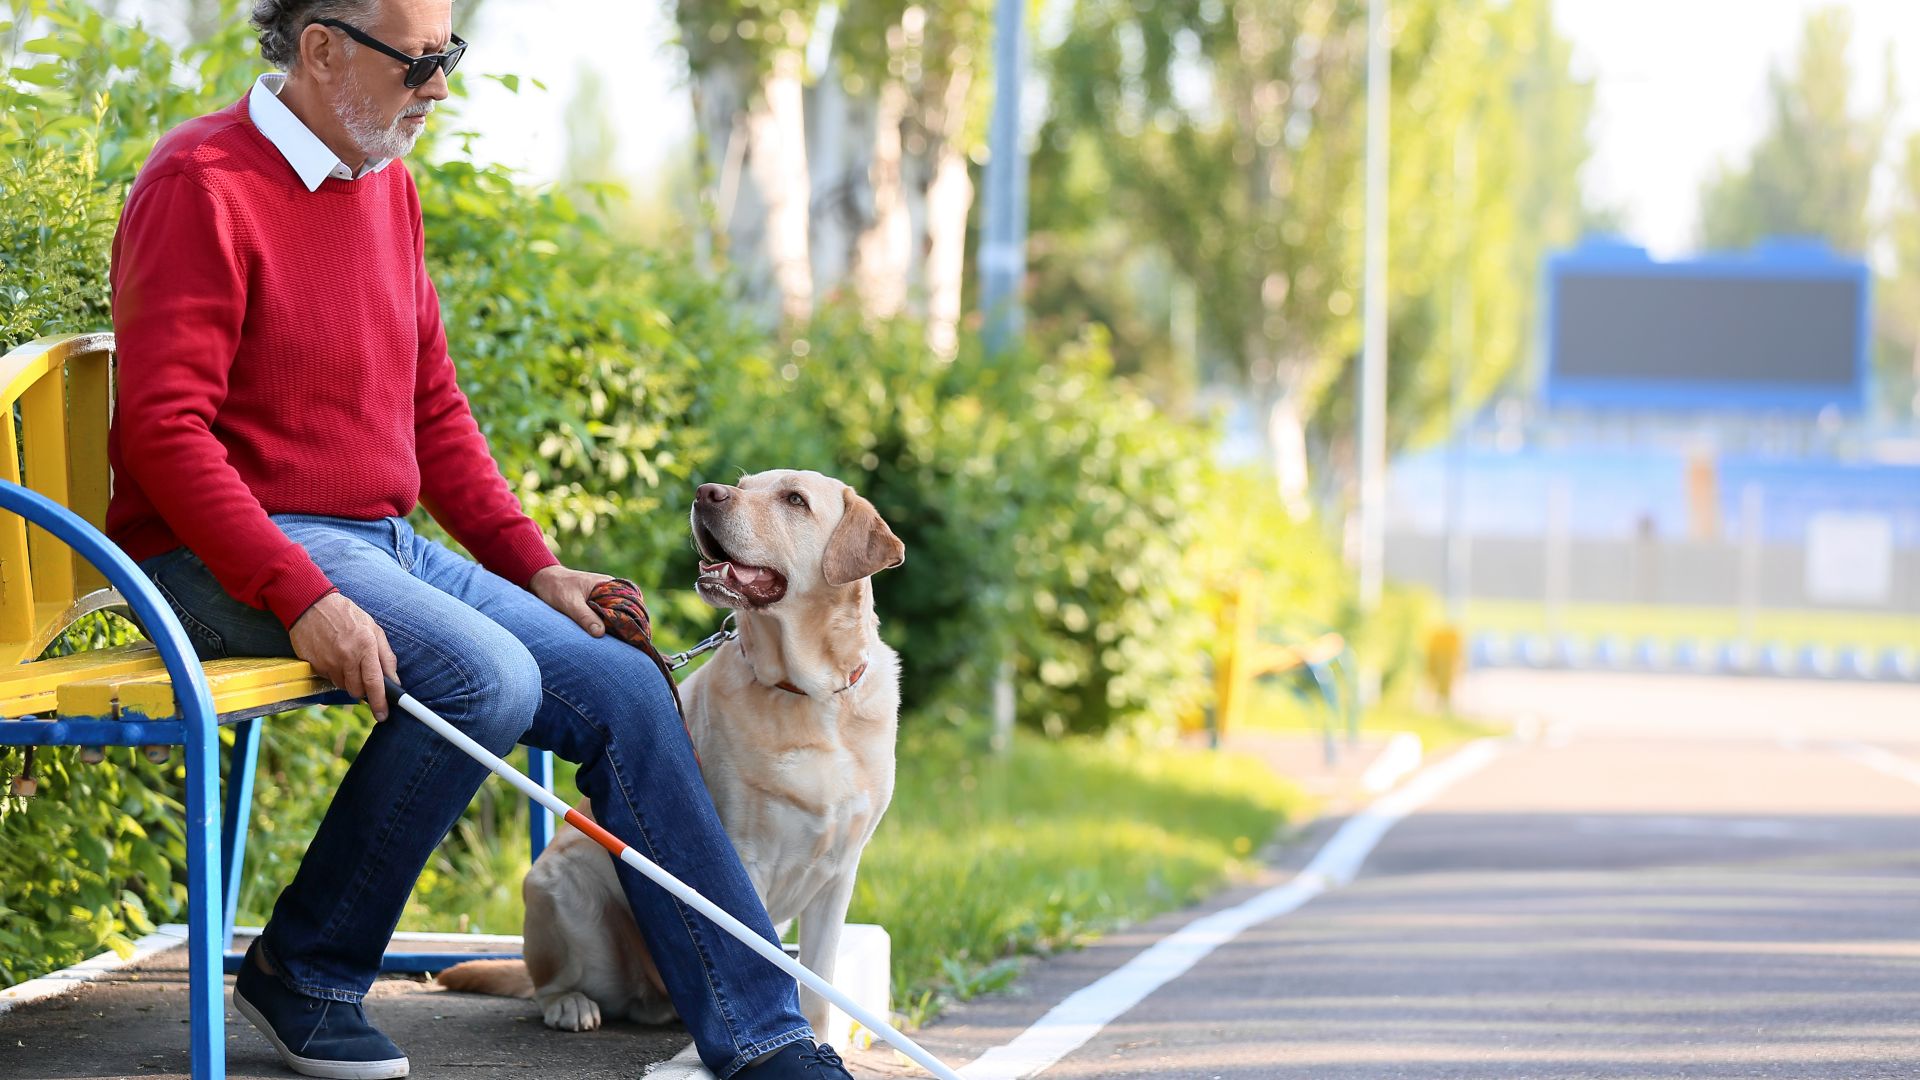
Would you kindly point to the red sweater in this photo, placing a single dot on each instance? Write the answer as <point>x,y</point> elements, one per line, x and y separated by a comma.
<point>280,351</point>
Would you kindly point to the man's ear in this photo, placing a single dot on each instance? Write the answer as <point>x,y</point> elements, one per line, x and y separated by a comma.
<point>861,545</point>
<point>320,53</point>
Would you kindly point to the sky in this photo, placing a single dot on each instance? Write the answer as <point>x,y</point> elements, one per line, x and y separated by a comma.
<point>628,42</point>
<point>1680,87</point>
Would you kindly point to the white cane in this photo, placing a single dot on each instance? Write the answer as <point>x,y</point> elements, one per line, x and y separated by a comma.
<point>774,954</point>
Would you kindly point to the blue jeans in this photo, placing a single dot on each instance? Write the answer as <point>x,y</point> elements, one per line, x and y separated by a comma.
<point>501,665</point>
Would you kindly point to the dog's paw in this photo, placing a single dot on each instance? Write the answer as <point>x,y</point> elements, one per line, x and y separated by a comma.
<point>572,1011</point>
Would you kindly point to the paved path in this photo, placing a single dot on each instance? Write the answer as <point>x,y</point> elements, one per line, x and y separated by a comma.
<point>134,1024</point>
<point>1665,877</point>
<point>1672,877</point>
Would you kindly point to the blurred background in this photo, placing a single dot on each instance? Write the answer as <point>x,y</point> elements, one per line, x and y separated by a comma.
<point>1083,308</point>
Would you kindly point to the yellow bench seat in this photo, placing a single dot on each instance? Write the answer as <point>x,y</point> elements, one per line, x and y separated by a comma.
<point>130,679</point>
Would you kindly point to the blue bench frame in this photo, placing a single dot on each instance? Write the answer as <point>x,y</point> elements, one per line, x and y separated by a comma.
<point>210,871</point>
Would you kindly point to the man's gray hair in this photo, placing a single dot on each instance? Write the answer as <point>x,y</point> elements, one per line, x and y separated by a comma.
<point>281,22</point>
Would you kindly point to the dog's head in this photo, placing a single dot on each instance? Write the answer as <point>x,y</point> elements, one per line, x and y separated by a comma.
<point>786,531</point>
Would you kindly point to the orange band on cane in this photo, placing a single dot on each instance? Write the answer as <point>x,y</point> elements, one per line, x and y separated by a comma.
<point>600,836</point>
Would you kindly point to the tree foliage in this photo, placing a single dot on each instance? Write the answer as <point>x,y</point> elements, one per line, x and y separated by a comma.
<point>1811,175</point>
<point>1812,171</point>
<point>1048,508</point>
<point>1899,345</point>
<point>1219,146</point>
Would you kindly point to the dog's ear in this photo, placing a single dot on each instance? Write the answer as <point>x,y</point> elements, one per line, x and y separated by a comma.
<point>861,545</point>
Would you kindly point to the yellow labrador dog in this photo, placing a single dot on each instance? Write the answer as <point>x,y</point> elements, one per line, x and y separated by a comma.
<point>794,725</point>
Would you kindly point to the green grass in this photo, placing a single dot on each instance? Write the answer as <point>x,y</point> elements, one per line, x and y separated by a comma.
<point>1275,709</point>
<point>1437,730</point>
<point>980,861</point>
<point>1631,621</point>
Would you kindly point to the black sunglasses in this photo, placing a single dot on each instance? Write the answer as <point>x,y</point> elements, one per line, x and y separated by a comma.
<point>419,68</point>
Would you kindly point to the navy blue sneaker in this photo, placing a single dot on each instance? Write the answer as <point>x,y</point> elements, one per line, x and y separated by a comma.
<point>315,1036</point>
<point>803,1060</point>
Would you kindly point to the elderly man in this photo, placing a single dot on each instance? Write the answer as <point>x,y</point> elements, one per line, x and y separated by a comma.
<point>285,398</point>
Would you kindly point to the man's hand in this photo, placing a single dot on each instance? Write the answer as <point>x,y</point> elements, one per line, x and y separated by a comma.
<point>344,644</point>
<point>566,591</point>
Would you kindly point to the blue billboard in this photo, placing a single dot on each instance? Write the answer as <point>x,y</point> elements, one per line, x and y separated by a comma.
<point>1785,326</point>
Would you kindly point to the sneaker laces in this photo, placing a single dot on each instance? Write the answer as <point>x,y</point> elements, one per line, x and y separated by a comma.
<point>822,1054</point>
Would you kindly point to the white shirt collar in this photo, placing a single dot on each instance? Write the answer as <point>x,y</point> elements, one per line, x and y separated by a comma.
<point>310,158</point>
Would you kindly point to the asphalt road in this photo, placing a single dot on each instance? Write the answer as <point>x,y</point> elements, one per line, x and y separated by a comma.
<point>1659,877</point>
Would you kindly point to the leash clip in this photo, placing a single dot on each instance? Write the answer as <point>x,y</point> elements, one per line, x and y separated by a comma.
<point>676,661</point>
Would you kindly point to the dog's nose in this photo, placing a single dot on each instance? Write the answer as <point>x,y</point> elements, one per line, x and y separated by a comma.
<point>714,493</point>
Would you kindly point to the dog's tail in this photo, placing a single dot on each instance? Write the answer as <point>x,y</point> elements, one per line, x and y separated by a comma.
<point>501,978</point>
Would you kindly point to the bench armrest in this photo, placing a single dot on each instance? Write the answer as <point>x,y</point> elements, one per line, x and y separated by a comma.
<point>183,664</point>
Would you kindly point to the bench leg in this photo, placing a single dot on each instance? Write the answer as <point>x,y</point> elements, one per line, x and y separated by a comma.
<point>205,985</point>
<point>233,824</point>
<point>540,771</point>
<point>1324,681</point>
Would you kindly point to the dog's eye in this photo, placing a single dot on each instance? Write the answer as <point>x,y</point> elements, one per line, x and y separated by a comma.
<point>796,499</point>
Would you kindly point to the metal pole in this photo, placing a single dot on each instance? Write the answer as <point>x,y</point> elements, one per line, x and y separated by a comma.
<point>1003,248</point>
<point>1003,252</point>
<point>1558,584</point>
<point>1373,357</point>
<point>1751,522</point>
<point>1463,332</point>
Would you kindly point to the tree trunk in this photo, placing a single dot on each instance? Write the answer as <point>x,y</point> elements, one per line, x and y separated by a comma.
<point>777,157</point>
<point>1913,406</point>
<point>885,250</point>
<point>840,136</point>
<point>755,135</point>
<point>719,96</point>
<point>946,201</point>
<point>1287,434</point>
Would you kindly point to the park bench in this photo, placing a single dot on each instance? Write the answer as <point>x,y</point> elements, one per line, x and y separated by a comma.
<point>56,566</point>
<point>1243,655</point>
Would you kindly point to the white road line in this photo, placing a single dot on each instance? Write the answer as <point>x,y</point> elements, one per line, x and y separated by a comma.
<point>71,978</point>
<point>1400,757</point>
<point>1081,1016</point>
<point>1881,761</point>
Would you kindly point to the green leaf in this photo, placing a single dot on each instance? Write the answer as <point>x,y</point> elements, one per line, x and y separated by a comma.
<point>48,75</point>
<point>135,913</point>
<point>55,47</point>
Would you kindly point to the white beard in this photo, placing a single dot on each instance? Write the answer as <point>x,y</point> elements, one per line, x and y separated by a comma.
<point>361,117</point>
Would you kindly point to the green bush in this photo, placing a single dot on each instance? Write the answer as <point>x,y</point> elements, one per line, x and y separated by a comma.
<point>98,854</point>
<point>1053,517</point>
<point>95,856</point>
<point>582,357</point>
<point>1045,507</point>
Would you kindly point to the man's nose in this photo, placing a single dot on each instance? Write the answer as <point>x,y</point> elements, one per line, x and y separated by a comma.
<point>435,88</point>
<point>713,493</point>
